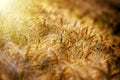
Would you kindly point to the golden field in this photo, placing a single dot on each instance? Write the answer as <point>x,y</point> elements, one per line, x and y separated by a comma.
<point>45,40</point>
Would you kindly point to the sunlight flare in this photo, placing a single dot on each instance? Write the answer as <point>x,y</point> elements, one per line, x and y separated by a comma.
<point>4,4</point>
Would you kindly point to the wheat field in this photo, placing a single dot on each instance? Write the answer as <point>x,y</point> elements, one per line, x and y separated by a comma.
<point>40,40</point>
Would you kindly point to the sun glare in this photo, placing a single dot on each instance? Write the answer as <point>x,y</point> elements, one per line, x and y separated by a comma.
<point>4,4</point>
